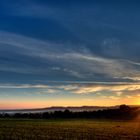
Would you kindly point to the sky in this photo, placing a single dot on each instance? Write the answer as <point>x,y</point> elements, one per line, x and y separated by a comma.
<point>69,53</point>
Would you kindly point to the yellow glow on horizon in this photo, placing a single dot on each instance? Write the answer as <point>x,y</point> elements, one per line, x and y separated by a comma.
<point>138,101</point>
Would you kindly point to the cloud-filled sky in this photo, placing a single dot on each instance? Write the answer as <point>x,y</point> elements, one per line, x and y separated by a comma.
<point>69,53</point>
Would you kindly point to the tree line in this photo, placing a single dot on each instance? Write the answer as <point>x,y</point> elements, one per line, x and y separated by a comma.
<point>123,112</point>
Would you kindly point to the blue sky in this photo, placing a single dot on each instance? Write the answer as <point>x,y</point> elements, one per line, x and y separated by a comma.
<point>54,51</point>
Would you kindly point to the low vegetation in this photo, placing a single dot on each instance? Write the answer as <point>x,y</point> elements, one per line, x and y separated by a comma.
<point>27,129</point>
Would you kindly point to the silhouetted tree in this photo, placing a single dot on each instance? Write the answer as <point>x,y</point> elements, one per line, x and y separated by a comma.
<point>124,108</point>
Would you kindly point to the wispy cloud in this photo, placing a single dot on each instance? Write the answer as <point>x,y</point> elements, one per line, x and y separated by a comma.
<point>79,64</point>
<point>116,89</point>
<point>101,90</point>
<point>26,86</point>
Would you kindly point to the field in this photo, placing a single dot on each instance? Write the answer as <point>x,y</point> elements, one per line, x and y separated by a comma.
<point>15,129</point>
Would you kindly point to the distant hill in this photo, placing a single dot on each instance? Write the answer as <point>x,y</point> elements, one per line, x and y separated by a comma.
<point>114,112</point>
<point>59,108</point>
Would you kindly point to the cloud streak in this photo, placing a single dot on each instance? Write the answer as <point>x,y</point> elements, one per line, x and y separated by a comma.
<point>97,89</point>
<point>81,64</point>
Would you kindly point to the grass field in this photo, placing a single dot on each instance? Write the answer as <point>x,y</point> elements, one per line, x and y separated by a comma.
<point>15,129</point>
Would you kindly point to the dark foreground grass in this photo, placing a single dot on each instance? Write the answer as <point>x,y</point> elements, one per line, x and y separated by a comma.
<point>15,129</point>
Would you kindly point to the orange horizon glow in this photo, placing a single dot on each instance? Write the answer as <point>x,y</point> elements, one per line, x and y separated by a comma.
<point>66,103</point>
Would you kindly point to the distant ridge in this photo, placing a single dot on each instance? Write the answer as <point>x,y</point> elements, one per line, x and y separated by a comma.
<point>61,108</point>
<point>57,108</point>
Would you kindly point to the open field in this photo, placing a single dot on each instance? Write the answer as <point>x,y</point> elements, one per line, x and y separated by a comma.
<point>14,129</point>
